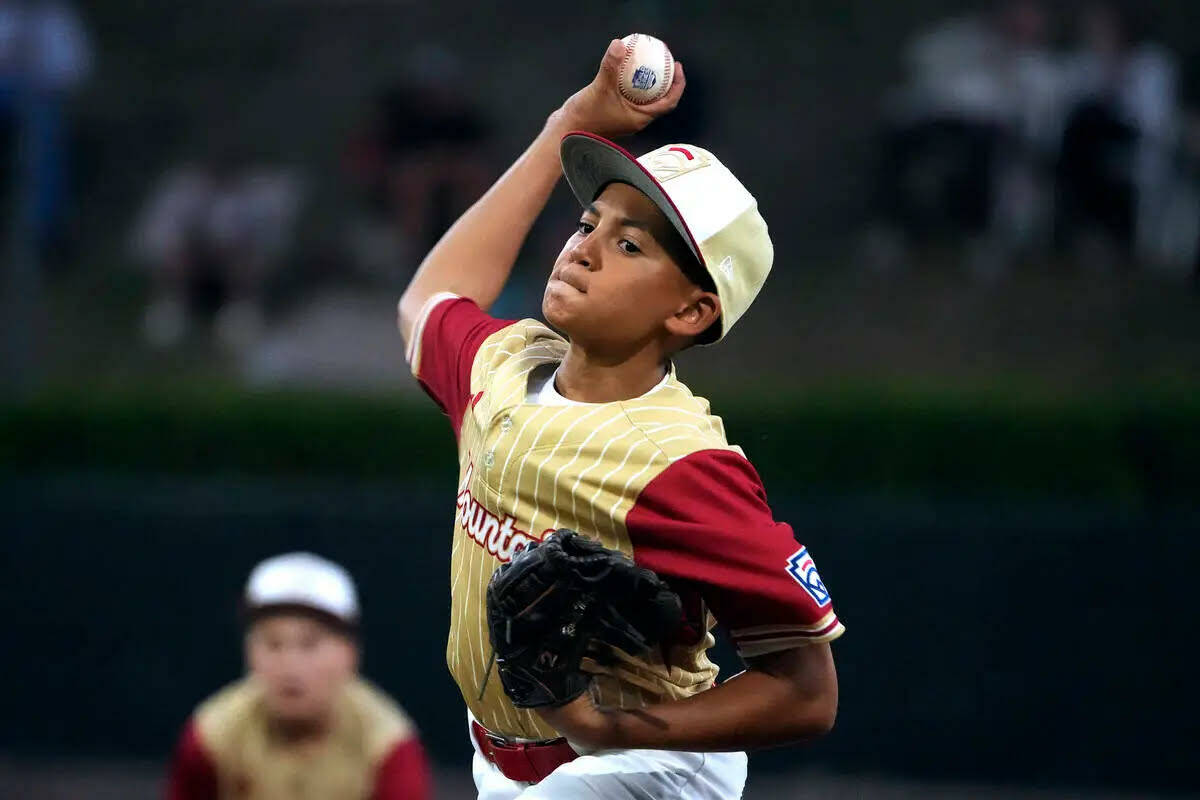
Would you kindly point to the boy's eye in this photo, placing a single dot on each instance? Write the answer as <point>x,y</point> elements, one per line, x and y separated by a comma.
<point>628,246</point>
<point>585,227</point>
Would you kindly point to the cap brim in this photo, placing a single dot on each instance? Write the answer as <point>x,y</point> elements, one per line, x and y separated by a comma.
<point>251,613</point>
<point>591,162</point>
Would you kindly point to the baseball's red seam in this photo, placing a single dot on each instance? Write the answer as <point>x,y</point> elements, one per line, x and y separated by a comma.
<point>624,64</point>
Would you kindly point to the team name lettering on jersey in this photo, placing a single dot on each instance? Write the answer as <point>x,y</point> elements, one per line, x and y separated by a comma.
<point>499,536</point>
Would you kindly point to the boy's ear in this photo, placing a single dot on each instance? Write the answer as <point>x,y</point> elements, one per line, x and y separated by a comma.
<point>696,317</point>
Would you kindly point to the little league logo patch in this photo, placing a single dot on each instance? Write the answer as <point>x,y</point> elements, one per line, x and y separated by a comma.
<point>801,567</point>
<point>644,78</point>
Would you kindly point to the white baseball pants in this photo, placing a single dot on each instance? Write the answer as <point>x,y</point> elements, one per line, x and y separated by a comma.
<point>623,775</point>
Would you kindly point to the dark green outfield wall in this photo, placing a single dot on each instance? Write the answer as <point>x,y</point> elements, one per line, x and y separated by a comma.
<point>1140,450</point>
<point>1048,643</point>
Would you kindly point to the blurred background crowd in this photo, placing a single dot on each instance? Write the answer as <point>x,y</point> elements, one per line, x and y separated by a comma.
<point>238,191</point>
<point>206,203</point>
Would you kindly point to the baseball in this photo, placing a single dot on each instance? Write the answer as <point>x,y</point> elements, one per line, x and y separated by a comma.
<point>648,69</point>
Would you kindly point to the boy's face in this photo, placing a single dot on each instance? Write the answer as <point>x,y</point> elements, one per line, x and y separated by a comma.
<point>301,663</point>
<point>615,287</point>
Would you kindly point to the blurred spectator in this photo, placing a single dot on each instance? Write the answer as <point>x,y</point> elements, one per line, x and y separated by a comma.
<point>1115,171</point>
<point>44,54</point>
<point>303,724</point>
<point>965,136</point>
<point>420,161</point>
<point>211,235</point>
<point>1190,147</point>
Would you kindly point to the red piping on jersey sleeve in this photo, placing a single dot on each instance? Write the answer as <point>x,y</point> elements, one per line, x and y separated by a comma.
<point>450,337</point>
<point>404,774</point>
<point>704,522</point>
<point>193,773</point>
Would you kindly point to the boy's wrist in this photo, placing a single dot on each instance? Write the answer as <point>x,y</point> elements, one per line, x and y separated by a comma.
<point>564,120</point>
<point>584,724</point>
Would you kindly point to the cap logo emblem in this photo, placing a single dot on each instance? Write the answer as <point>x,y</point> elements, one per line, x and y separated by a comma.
<point>671,162</point>
<point>726,267</point>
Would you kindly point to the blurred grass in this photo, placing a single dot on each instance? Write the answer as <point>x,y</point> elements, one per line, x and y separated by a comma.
<point>1142,446</point>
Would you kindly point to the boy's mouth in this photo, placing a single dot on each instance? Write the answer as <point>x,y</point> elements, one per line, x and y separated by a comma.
<point>570,278</point>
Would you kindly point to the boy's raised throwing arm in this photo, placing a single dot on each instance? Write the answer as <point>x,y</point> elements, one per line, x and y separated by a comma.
<point>474,258</point>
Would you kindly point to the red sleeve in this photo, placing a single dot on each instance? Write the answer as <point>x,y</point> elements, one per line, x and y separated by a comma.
<point>445,340</point>
<point>704,521</point>
<point>193,774</point>
<point>404,774</point>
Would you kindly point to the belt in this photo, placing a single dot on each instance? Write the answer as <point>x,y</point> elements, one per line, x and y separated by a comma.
<point>527,762</point>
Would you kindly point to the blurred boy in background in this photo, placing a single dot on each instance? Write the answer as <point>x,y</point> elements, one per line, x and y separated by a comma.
<point>303,724</point>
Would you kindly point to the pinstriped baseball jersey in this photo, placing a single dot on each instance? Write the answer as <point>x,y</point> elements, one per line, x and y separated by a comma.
<point>652,476</point>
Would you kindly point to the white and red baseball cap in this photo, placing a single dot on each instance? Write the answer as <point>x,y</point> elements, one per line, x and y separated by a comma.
<point>304,582</point>
<point>713,212</point>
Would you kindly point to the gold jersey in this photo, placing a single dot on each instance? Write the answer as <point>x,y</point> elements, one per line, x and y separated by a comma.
<point>228,751</point>
<point>653,477</point>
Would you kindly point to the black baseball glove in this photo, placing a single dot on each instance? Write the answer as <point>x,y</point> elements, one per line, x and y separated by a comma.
<point>566,597</point>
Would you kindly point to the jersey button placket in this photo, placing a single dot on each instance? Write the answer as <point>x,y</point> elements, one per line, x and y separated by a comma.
<point>489,458</point>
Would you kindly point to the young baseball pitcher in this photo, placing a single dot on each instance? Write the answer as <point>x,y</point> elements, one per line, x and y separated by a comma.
<point>583,424</point>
